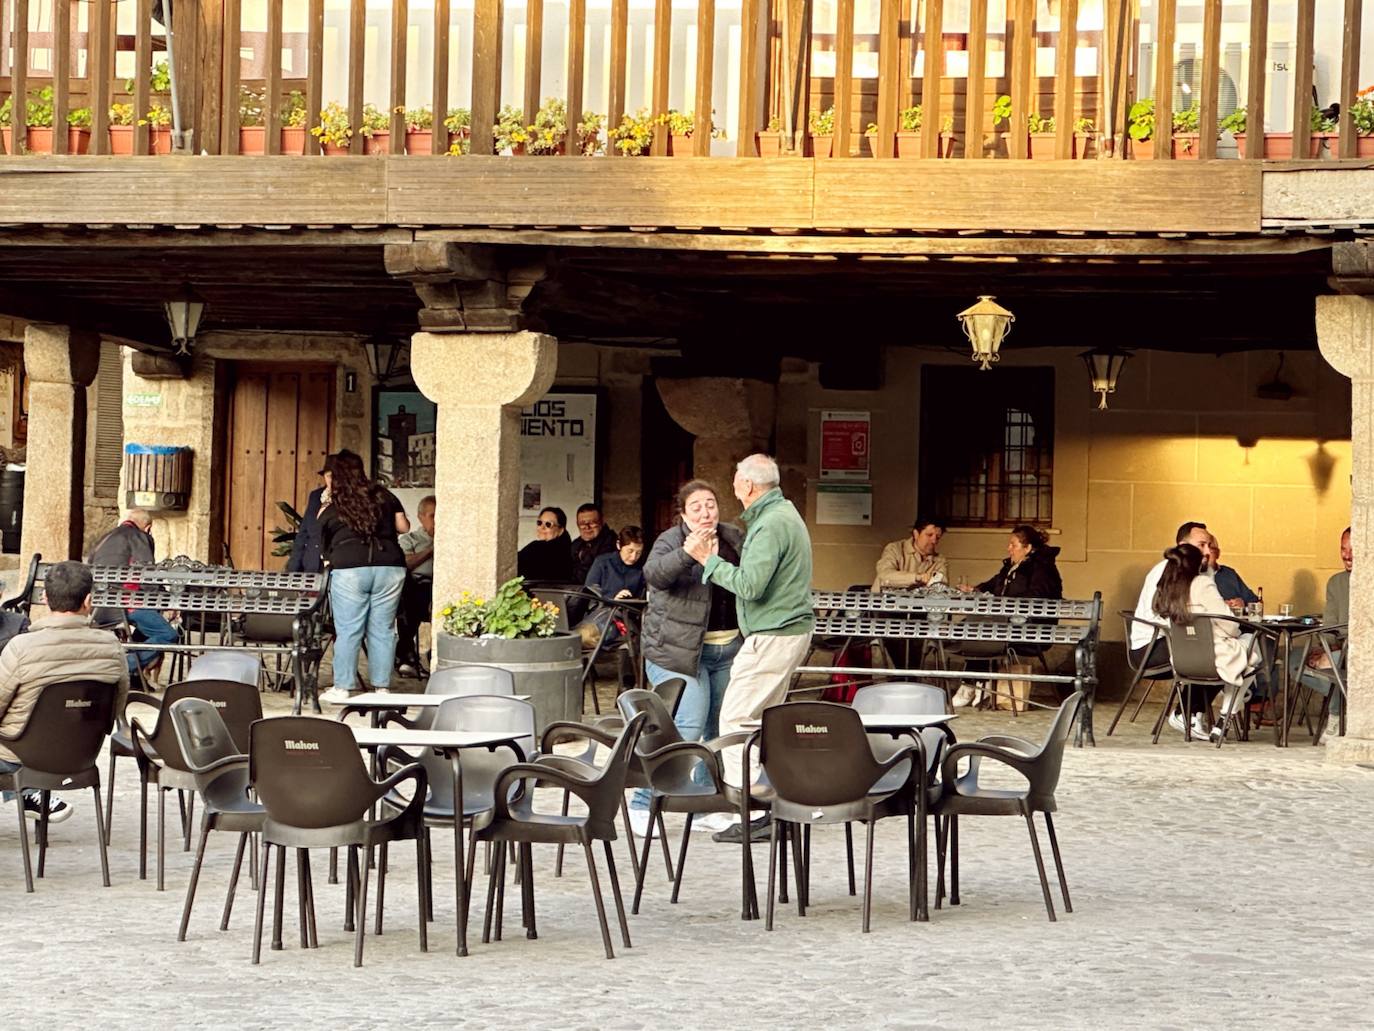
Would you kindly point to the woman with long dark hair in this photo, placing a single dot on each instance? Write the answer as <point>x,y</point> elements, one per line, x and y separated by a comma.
<point>1184,591</point>
<point>367,571</point>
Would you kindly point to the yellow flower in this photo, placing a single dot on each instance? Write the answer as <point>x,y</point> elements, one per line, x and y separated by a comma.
<point>481,601</point>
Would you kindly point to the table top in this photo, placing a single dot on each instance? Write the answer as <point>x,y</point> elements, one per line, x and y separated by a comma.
<point>887,720</point>
<point>401,700</point>
<point>372,737</point>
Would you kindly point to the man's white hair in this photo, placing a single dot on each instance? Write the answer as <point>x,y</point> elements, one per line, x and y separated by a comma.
<point>139,517</point>
<point>760,470</point>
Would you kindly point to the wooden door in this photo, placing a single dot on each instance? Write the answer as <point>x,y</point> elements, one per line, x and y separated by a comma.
<point>281,426</point>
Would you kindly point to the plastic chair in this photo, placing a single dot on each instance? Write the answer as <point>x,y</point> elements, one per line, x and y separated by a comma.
<point>1143,670</point>
<point>314,787</point>
<point>964,796</point>
<point>603,792</point>
<point>458,681</point>
<point>220,771</point>
<point>242,667</point>
<point>270,628</point>
<point>1192,654</point>
<point>57,751</point>
<point>817,758</point>
<point>162,764</point>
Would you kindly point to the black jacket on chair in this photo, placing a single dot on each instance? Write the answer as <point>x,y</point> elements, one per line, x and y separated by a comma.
<point>1036,577</point>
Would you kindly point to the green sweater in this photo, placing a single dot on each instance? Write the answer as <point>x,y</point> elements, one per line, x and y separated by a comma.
<point>772,583</point>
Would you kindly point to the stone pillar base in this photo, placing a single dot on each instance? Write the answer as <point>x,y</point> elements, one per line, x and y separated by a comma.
<point>1350,750</point>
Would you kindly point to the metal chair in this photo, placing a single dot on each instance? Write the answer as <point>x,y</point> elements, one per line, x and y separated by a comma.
<point>1192,654</point>
<point>962,795</point>
<point>817,758</point>
<point>1326,683</point>
<point>162,764</point>
<point>602,790</point>
<point>316,792</point>
<point>57,751</point>
<point>1142,670</point>
<point>220,770</point>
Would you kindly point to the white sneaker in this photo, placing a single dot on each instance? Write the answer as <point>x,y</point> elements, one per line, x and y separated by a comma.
<point>1176,720</point>
<point>712,822</point>
<point>639,821</point>
<point>1201,729</point>
<point>963,696</point>
<point>337,696</point>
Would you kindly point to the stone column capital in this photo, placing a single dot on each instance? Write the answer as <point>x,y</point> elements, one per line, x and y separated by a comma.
<point>1345,334</point>
<point>720,406</point>
<point>482,370</point>
<point>60,354</point>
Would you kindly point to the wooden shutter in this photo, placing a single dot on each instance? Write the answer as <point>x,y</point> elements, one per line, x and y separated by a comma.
<point>109,421</point>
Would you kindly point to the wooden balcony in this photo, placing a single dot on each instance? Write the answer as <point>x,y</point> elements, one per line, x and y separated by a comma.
<point>1079,64</point>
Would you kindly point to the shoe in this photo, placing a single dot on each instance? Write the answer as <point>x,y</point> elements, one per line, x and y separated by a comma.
<point>963,696</point>
<point>1200,726</point>
<point>380,690</point>
<point>760,829</point>
<point>405,669</point>
<point>713,823</point>
<point>58,810</point>
<point>639,821</point>
<point>337,696</point>
<point>1176,720</point>
<point>1215,733</point>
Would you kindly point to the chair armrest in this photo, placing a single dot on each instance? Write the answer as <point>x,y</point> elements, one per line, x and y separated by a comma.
<point>397,719</point>
<point>574,783</point>
<point>900,756</point>
<point>714,765</point>
<point>735,737</point>
<point>1012,744</point>
<point>224,763</point>
<point>139,738</point>
<point>411,771</point>
<point>566,730</point>
<point>566,764</point>
<point>949,770</point>
<point>135,698</point>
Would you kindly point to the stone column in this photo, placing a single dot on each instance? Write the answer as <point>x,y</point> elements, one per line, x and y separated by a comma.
<point>730,418</point>
<point>61,362</point>
<point>1345,334</point>
<point>479,382</point>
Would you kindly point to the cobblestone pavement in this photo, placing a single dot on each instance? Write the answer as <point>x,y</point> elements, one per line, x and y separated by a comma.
<point>1210,888</point>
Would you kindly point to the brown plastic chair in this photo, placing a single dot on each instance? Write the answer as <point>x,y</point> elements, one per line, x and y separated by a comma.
<point>162,764</point>
<point>57,751</point>
<point>220,770</point>
<point>962,795</point>
<point>314,787</point>
<point>505,824</point>
<point>1192,654</point>
<point>818,760</point>
<point>1143,670</point>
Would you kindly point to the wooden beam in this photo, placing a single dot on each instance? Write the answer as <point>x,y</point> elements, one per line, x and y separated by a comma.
<point>486,72</point>
<point>143,70</point>
<point>1302,77</point>
<point>357,58</point>
<point>271,92</point>
<point>314,72</point>
<point>205,23</point>
<point>229,77</point>
<point>705,84</point>
<point>977,80</point>
<point>400,26</point>
<point>662,68</point>
<point>752,21</point>
<point>932,76</point>
<point>100,58</point>
<point>1350,77</point>
<point>19,76</point>
<point>620,31</point>
<point>1211,80</point>
<point>1164,80</point>
<point>1065,55</point>
<point>61,72</point>
<point>1258,68</point>
<point>577,58</point>
<point>889,74</point>
<point>1022,76</point>
<point>439,136</point>
<point>843,96</point>
<point>534,63</point>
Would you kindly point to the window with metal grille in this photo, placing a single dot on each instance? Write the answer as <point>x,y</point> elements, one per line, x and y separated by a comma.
<point>109,422</point>
<point>987,445</point>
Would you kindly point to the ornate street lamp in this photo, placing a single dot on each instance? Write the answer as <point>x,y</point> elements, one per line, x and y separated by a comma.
<point>986,325</point>
<point>1104,366</point>
<point>384,358</point>
<point>183,316</point>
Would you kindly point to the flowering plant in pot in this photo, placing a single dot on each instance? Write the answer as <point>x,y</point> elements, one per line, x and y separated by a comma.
<point>38,127</point>
<point>1362,114</point>
<point>252,131</point>
<point>376,130</point>
<point>1084,138</point>
<point>1041,131</point>
<point>822,132</point>
<point>123,121</point>
<point>589,143</point>
<point>510,613</point>
<point>294,123</point>
<point>1140,127</point>
<point>769,141</point>
<point>333,131</point>
<point>419,130</point>
<point>631,138</point>
<point>459,126</point>
<point>510,131</point>
<point>1278,146</point>
<point>681,128</point>
<point>549,133</point>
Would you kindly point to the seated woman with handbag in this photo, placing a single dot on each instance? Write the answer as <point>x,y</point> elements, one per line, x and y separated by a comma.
<point>617,574</point>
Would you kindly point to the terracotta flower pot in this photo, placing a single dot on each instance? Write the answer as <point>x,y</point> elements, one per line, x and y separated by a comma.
<point>331,150</point>
<point>1042,146</point>
<point>769,144</point>
<point>1084,145</point>
<point>419,141</point>
<point>680,145</point>
<point>948,144</point>
<point>39,139</point>
<point>1364,146</point>
<point>377,143</point>
<point>293,139</point>
<point>1278,146</point>
<point>1142,150</point>
<point>252,139</point>
<point>1185,146</point>
<point>821,146</point>
<point>160,139</point>
<point>908,144</point>
<point>122,139</point>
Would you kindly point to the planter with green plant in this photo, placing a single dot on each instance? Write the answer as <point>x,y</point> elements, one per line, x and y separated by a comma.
<point>38,130</point>
<point>769,141</point>
<point>1186,134</point>
<point>681,130</point>
<point>420,130</point>
<point>1085,138</point>
<point>1041,132</point>
<point>1278,146</point>
<point>1362,115</point>
<point>1140,127</point>
<point>589,130</point>
<point>459,126</point>
<point>376,130</point>
<point>518,632</point>
<point>821,136</point>
<point>333,130</point>
<point>252,131</point>
<point>284,537</point>
<point>124,119</point>
<point>632,137</point>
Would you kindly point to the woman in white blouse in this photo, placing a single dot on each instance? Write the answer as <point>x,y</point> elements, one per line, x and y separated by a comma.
<point>1184,589</point>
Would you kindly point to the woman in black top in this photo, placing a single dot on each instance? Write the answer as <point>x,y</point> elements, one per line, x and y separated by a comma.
<point>359,526</point>
<point>548,558</point>
<point>1028,570</point>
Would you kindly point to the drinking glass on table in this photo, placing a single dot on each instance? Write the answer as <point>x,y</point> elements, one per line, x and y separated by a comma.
<point>1286,610</point>
<point>1254,610</point>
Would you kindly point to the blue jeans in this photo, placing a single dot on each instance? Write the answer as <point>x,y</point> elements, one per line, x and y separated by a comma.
<point>365,600</point>
<point>153,629</point>
<point>698,713</point>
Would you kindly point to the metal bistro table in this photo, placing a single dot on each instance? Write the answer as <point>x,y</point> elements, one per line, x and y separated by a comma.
<point>449,743</point>
<point>378,703</point>
<point>1284,632</point>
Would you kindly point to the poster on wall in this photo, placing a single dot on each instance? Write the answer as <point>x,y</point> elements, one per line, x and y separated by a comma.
<point>844,504</point>
<point>403,440</point>
<point>558,460</point>
<point>844,445</point>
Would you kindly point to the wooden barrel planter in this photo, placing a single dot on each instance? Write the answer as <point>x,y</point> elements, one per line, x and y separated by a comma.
<point>548,669</point>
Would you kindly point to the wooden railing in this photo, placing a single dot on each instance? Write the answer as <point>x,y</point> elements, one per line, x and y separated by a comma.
<point>775,77</point>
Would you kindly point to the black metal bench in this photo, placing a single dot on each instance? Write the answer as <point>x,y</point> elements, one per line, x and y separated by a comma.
<point>947,618</point>
<point>197,589</point>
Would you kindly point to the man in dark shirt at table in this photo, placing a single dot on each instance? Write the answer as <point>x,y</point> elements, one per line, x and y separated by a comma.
<point>1230,586</point>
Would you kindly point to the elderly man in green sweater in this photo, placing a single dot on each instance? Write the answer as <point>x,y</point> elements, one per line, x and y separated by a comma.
<point>772,589</point>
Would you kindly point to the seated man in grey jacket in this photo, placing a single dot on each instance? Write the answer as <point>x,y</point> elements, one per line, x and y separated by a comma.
<point>61,646</point>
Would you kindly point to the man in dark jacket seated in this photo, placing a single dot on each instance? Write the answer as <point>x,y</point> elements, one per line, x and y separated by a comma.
<point>131,544</point>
